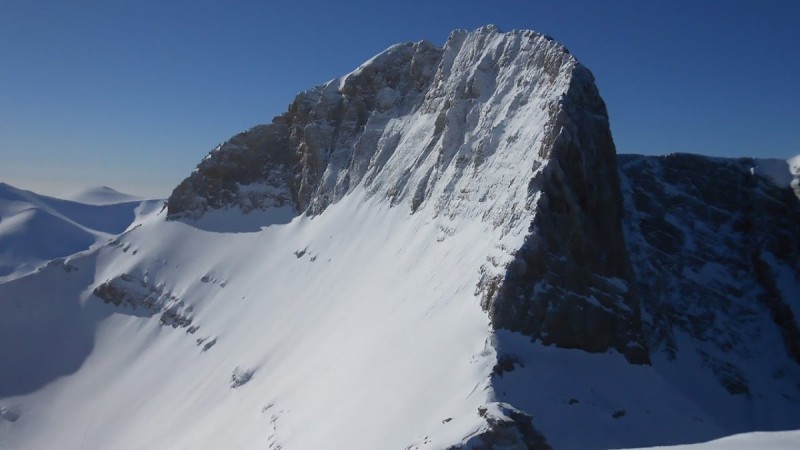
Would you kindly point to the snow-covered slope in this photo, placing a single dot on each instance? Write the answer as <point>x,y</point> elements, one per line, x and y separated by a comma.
<point>428,253</point>
<point>35,228</point>
<point>343,353</point>
<point>777,440</point>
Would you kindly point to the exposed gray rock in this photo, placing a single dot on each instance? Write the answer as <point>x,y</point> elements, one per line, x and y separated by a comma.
<point>207,346</point>
<point>319,149</point>
<point>506,362</point>
<point>507,428</point>
<point>252,170</point>
<point>344,133</point>
<point>128,291</point>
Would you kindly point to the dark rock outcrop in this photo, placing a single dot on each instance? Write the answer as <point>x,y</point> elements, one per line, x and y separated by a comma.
<point>716,251</point>
<point>506,428</point>
<point>319,149</point>
<point>142,298</point>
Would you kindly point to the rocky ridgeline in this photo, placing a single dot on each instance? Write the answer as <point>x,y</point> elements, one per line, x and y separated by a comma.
<point>417,124</point>
<point>320,148</point>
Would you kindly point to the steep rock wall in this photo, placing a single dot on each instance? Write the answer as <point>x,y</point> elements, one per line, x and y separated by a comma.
<point>716,251</point>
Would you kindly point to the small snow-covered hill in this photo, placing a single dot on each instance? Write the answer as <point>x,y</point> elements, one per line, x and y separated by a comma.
<point>35,228</point>
<point>100,195</point>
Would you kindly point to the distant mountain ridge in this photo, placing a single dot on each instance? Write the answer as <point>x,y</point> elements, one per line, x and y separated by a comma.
<point>36,228</point>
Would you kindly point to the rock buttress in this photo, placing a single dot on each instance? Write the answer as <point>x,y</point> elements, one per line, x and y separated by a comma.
<point>570,284</point>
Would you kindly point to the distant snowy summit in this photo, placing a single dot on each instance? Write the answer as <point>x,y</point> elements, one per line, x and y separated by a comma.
<point>100,195</point>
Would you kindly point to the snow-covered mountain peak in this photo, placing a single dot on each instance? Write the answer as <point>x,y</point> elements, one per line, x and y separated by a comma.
<point>489,129</point>
<point>415,123</point>
<point>428,252</point>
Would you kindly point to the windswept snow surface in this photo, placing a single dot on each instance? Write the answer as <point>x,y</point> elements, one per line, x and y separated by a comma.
<point>778,440</point>
<point>360,328</point>
<point>35,228</point>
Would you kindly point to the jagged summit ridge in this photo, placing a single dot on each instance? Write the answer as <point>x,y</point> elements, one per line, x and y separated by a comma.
<point>411,124</point>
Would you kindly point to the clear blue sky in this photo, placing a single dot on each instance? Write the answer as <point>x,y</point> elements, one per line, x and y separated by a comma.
<point>132,94</point>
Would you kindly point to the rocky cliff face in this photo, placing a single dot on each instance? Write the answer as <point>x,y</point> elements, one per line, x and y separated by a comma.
<point>716,251</point>
<point>320,148</point>
<point>570,283</point>
<point>505,128</point>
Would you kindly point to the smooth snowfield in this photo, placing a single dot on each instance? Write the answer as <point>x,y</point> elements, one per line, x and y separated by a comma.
<point>778,440</point>
<point>35,228</point>
<point>370,338</point>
